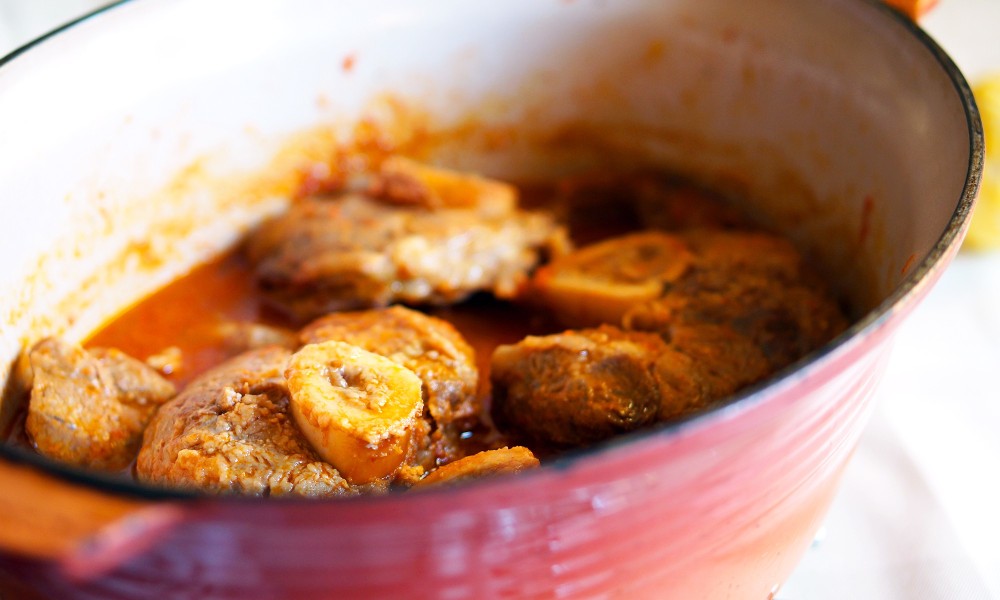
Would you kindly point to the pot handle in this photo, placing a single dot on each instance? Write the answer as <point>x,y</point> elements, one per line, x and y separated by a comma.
<point>86,531</point>
<point>912,8</point>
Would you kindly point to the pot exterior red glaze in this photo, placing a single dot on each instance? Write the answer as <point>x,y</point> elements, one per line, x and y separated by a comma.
<point>721,508</point>
<point>838,121</point>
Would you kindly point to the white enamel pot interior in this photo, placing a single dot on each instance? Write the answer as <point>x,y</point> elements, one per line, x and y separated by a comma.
<point>147,138</point>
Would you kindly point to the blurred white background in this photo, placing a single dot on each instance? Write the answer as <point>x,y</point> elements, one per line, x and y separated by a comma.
<point>917,518</point>
<point>23,20</point>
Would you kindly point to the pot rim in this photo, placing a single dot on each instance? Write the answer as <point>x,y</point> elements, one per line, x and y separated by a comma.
<point>903,298</point>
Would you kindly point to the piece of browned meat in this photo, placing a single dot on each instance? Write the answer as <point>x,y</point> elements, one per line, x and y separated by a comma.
<point>352,251</point>
<point>784,322</point>
<point>749,306</point>
<point>703,364</point>
<point>732,307</point>
<point>675,205</point>
<point>755,284</point>
<point>751,252</point>
<point>230,431</point>
<point>586,385</point>
<point>751,285</point>
<point>405,181</point>
<point>577,387</point>
<point>430,347</point>
<point>240,336</point>
<point>489,463</point>
<point>89,408</point>
<point>596,204</point>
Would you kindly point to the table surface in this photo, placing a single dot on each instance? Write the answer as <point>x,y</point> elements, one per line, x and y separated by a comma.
<point>916,518</point>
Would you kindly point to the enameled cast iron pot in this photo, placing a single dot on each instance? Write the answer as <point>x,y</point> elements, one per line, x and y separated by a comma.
<point>146,137</point>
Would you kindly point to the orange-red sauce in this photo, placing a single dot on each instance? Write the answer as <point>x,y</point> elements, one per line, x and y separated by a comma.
<point>187,313</point>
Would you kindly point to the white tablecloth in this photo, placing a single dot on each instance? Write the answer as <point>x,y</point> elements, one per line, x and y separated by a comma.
<point>917,518</point>
<point>919,513</point>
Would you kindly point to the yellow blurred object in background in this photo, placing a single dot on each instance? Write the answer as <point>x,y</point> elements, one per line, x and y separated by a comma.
<point>984,232</point>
